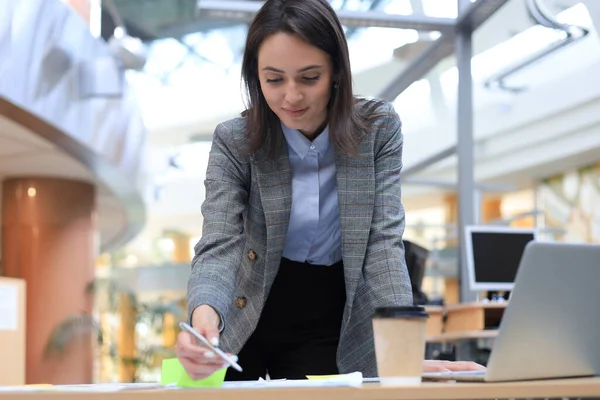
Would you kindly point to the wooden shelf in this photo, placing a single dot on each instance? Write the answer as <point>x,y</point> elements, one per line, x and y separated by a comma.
<point>473,316</point>
<point>462,335</point>
<point>435,322</point>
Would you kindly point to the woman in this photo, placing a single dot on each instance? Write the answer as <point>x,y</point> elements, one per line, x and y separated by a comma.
<point>303,222</point>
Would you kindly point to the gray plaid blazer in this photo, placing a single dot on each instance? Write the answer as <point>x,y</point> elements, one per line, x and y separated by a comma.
<point>246,214</point>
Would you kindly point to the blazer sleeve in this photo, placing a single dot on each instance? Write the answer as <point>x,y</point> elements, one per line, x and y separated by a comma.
<point>385,266</point>
<point>217,254</point>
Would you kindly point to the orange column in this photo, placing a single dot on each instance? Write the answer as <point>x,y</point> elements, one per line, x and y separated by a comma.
<point>451,285</point>
<point>491,209</point>
<point>47,240</point>
<point>169,333</point>
<point>451,208</point>
<point>181,242</point>
<point>127,348</point>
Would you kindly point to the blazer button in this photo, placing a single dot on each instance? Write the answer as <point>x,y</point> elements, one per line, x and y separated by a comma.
<point>251,255</point>
<point>240,302</point>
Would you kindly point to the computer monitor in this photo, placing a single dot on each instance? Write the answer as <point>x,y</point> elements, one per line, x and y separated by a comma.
<point>493,255</point>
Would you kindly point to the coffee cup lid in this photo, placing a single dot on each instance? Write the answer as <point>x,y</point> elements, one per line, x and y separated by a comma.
<point>400,312</point>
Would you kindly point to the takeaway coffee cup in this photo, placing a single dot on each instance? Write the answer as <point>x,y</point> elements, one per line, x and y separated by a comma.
<point>399,334</point>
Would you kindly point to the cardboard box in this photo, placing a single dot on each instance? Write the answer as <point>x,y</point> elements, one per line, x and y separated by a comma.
<point>12,331</point>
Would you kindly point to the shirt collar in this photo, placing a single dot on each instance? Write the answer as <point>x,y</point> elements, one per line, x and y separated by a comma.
<point>301,145</point>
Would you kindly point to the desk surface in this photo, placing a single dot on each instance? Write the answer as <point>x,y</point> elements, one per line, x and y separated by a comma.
<point>584,387</point>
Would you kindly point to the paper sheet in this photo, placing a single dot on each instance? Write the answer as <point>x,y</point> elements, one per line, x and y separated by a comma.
<point>100,387</point>
<point>354,379</point>
<point>9,302</point>
<point>26,388</point>
<point>108,387</point>
<point>349,380</point>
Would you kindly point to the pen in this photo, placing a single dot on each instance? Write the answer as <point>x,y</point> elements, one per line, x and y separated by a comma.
<point>187,327</point>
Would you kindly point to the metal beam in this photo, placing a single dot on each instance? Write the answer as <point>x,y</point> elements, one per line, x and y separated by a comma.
<point>240,10</point>
<point>419,67</point>
<point>375,4</point>
<point>473,15</point>
<point>384,20</point>
<point>420,166</point>
<point>468,197</point>
<point>481,186</point>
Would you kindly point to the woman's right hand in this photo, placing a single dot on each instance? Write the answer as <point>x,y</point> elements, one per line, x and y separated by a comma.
<point>198,361</point>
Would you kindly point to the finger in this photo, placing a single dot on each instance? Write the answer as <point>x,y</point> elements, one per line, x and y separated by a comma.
<point>463,366</point>
<point>201,372</point>
<point>435,366</point>
<point>199,355</point>
<point>210,357</point>
<point>186,340</point>
<point>203,361</point>
<point>186,345</point>
<point>208,331</point>
<point>198,363</point>
<point>212,334</point>
<point>470,366</point>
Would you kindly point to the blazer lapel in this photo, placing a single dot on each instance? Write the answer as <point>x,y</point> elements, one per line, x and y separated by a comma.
<point>356,199</point>
<point>275,188</point>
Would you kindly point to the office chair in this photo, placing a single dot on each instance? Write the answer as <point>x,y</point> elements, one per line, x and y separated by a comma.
<point>416,258</point>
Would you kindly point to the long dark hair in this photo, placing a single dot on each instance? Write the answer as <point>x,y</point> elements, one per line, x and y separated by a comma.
<point>315,22</point>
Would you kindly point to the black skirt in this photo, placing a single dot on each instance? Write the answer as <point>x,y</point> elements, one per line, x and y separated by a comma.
<point>299,328</point>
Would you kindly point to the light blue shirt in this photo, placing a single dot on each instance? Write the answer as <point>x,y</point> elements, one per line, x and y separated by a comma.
<point>314,232</point>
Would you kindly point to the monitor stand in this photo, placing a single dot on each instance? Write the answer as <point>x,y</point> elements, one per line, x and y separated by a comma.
<point>496,296</point>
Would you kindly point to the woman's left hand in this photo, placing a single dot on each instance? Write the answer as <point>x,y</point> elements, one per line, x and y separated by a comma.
<point>447,366</point>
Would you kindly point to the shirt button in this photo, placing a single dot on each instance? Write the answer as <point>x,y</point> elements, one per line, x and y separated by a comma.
<point>251,255</point>
<point>312,146</point>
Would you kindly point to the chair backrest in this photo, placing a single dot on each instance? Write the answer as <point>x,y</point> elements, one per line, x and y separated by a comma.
<point>416,258</point>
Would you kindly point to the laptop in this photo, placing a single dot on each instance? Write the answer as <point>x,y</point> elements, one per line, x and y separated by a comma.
<point>551,326</point>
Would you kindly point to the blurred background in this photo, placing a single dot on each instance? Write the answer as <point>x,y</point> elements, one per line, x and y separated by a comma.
<point>107,109</point>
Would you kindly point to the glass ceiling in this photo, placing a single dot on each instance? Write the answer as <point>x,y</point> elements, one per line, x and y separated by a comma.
<point>198,78</point>
<point>174,62</point>
<point>418,110</point>
<point>179,74</point>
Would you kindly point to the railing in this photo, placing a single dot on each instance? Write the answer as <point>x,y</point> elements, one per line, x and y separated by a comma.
<point>536,10</point>
<point>44,50</point>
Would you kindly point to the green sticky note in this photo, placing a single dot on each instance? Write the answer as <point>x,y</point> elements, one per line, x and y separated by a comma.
<point>213,381</point>
<point>173,372</point>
